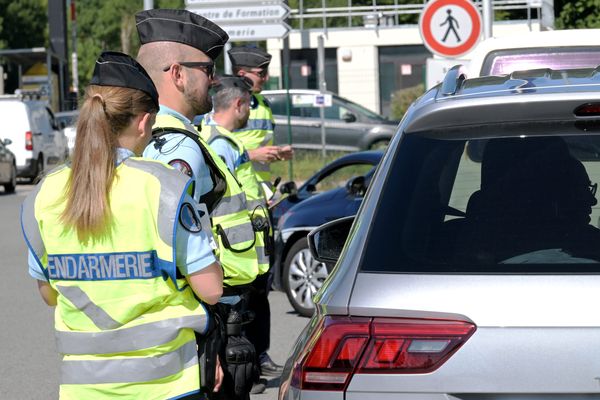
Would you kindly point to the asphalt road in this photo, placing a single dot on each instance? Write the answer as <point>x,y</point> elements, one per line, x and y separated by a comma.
<point>29,364</point>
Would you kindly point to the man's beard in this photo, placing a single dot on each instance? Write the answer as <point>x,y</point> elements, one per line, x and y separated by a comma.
<point>199,100</point>
<point>200,104</point>
<point>239,124</point>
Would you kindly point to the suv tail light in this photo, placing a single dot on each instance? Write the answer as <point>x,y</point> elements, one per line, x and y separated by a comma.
<point>28,140</point>
<point>587,110</point>
<point>342,346</point>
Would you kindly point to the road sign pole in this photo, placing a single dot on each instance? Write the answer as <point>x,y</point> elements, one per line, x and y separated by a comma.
<point>286,86</point>
<point>322,88</point>
<point>226,61</point>
<point>488,18</point>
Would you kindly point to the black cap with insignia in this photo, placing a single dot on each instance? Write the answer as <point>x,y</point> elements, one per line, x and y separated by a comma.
<point>247,56</point>
<point>228,81</point>
<point>118,69</point>
<point>181,26</point>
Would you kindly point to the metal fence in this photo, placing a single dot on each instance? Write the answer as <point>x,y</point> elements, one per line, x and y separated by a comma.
<point>383,12</point>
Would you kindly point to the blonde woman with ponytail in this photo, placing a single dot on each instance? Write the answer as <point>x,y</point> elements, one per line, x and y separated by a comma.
<point>108,237</point>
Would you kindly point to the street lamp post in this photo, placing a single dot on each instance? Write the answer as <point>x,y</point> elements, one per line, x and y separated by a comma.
<point>74,65</point>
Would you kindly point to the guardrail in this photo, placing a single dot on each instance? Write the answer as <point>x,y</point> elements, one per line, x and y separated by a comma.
<point>382,13</point>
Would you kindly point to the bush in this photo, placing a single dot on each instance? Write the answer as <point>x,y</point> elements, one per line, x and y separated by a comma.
<point>305,164</point>
<point>403,98</point>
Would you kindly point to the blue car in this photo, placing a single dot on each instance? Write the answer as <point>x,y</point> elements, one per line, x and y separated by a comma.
<point>333,192</point>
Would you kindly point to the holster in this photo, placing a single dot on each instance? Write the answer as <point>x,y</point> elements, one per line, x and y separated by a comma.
<point>238,357</point>
<point>261,225</point>
<point>210,346</point>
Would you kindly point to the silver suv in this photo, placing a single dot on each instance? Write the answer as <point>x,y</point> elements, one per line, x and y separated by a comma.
<point>472,269</point>
<point>348,126</point>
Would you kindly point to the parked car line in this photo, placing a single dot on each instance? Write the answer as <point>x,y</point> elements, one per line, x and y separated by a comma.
<point>349,126</point>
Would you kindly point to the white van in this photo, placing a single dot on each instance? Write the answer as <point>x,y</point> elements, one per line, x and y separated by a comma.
<point>67,122</point>
<point>562,49</point>
<point>36,141</point>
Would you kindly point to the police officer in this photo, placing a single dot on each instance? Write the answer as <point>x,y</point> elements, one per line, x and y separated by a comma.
<point>178,50</point>
<point>231,109</point>
<point>257,137</point>
<point>104,249</point>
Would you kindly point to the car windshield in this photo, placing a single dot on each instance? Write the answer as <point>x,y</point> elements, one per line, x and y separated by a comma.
<point>302,106</point>
<point>506,61</point>
<point>362,110</point>
<point>496,205</point>
<point>66,119</point>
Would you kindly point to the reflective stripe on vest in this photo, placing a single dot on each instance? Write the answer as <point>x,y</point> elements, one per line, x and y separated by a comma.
<point>128,339</point>
<point>96,314</point>
<point>230,216</point>
<point>116,309</point>
<point>230,205</point>
<point>244,172</point>
<point>246,175</point>
<point>258,124</point>
<point>129,369</point>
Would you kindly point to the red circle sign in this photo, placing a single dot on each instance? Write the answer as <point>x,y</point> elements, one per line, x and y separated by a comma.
<point>450,28</point>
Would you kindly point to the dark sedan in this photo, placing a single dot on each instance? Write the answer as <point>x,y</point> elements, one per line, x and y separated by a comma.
<point>335,191</point>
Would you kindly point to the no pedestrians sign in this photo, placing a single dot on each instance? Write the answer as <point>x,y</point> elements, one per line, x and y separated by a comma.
<point>450,28</point>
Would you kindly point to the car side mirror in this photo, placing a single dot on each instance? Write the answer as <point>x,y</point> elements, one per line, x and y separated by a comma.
<point>289,188</point>
<point>357,186</point>
<point>6,142</point>
<point>327,241</point>
<point>349,117</point>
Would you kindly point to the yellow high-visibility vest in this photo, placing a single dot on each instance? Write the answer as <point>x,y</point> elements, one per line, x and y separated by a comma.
<point>246,175</point>
<point>124,322</point>
<point>258,132</point>
<point>232,228</point>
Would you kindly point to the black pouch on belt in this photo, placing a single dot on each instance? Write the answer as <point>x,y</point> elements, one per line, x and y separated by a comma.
<point>210,345</point>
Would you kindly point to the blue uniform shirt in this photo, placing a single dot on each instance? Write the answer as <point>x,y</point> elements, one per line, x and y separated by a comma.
<point>224,148</point>
<point>193,250</point>
<point>180,147</point>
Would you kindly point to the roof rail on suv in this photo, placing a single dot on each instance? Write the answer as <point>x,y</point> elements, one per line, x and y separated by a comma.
<point>453,79</point>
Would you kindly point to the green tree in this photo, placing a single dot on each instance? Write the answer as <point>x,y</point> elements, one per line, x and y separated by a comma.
<point>108,25</point>
<point>24,23</point>
<point>577,14</point>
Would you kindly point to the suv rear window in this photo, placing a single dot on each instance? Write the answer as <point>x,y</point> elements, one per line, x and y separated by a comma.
<point>502,62</point>
<point>513,205</point>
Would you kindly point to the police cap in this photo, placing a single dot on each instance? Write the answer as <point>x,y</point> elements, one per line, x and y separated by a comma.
<point>247,56</point>
<point>181,26</point>
<point>118,69</point>
<point>228,81</point>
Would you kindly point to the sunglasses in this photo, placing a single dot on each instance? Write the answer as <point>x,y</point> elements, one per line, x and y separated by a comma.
<point>207,66</point>
<point>261,73</point>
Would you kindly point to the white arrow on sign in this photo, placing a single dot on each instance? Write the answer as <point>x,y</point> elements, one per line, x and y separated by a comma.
<point>256,31</point>
<point>244,13</point>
